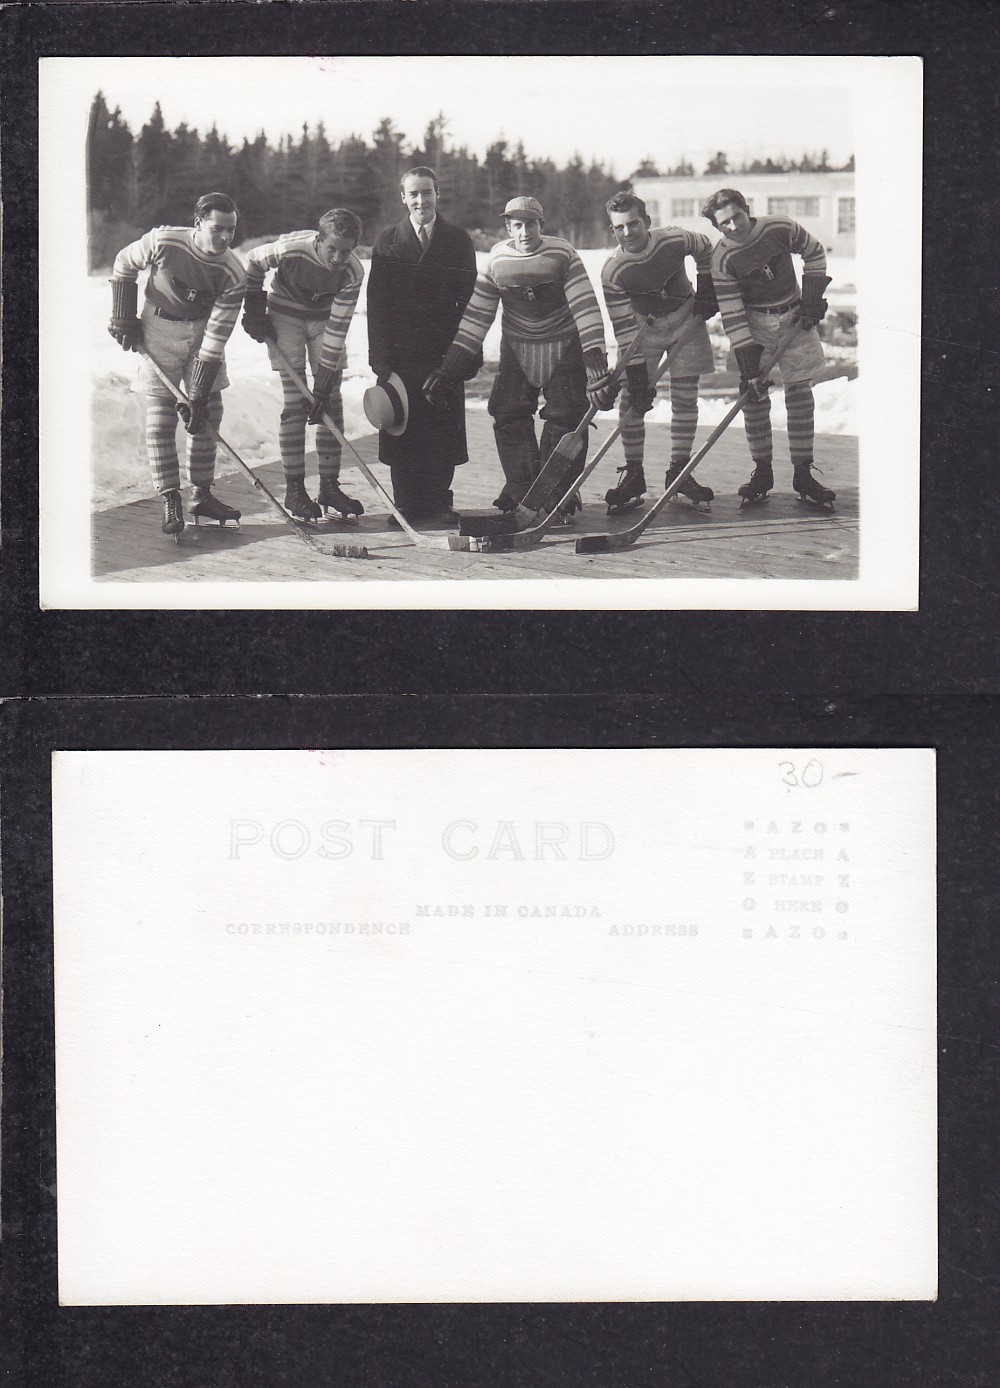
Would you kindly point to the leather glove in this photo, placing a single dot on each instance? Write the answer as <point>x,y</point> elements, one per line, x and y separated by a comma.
<point>706,305</point>
<point>255,320</point>
<point>381,367</point>
<point>194,411</point>
<point>323,383</point>
<point>437,389</point>
<point>641,392</point>
<point>456,365</point>
<point>748,358</point>
<point>124,326</point>
<point>814,306</point>
<point>602,391</point>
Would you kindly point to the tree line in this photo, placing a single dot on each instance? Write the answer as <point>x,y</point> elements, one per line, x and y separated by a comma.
<point>155,178</point>
<point>719,164</point>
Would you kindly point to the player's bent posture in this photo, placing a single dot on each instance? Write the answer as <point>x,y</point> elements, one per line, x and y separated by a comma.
<point>194,288</point>
<point>759,297</point>
<point>306,314</point>
<point>552,341</point>
<point>646,276</point>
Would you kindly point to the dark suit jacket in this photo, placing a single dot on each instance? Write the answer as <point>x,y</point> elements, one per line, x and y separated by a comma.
<point>415,304</point>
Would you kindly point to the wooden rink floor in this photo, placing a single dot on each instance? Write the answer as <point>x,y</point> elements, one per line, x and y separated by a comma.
<point>784,539</point>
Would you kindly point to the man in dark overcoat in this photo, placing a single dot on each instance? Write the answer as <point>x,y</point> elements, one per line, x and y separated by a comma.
<point>422,274</point>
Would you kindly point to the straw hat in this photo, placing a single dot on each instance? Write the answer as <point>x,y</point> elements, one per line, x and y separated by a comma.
<point>386,405</point>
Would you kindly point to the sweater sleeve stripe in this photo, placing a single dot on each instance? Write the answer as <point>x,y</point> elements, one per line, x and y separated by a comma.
<point>583,305</point>
<point>479,315</point>
<point>225,312</point>
<point>135,256</point>
<point>259,261</point>
<point>341,313</point>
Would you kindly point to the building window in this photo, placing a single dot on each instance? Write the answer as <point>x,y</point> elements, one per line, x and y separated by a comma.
<point>682,207</point>
<point>793,207</point>
<point>845,215</point>
<point>652,210</point>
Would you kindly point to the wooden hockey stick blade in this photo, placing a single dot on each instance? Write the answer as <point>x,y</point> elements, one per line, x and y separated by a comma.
<point>422,541</point>
<point>623,539</point>
<point>307,538</point>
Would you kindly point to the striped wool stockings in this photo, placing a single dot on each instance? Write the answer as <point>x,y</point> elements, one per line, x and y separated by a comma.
<point>292,434</point>
<point>161,445</point>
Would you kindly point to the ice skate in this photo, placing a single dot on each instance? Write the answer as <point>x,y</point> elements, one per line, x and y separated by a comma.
<point>299,504</point>
<point>511,496</point>
<point>754,492</point>
<point>331,498</point>
<point>809,489</point>
<point>700,497</point>
<point>566,513</point>
<point>207,506</point>
<point>173,514</point>
<point>628,493</point>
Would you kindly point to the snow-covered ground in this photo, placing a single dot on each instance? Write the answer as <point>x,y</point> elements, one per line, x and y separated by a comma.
<point>253,400</point>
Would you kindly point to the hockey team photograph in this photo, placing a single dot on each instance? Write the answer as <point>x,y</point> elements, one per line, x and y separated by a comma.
<point>476,342</point>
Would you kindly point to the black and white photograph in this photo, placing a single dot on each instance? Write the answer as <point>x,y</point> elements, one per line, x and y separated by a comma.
<point>480,332</point>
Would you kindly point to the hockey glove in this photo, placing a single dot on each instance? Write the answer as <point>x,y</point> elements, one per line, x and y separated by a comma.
<point>640,392</point>
<point>255,320</point>
<point>814,306</point>
<point>602,391</point>
<point>748,359</point>
<point>324,381</point>
<point>125,327</point>
<point>706,305</point>
<point>194,411</point>
<point>381,367</point>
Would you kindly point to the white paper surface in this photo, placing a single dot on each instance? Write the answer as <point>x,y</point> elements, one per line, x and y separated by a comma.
<point>495,1025</point>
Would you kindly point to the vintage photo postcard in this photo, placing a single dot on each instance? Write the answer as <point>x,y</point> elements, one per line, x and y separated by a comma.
<point>480,332</point>
<point>495,1026</point>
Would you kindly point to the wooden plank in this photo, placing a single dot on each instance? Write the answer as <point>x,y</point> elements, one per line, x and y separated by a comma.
<point>784,539</point>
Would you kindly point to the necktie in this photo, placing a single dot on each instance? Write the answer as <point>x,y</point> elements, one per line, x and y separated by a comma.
<point>425,239</point>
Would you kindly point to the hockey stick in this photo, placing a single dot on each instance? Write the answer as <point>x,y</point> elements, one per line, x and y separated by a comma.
<point>423,541</point>
<point>304,534</point>
<point>549,488</point>
<point>534,534</point>
<point>622,539</point>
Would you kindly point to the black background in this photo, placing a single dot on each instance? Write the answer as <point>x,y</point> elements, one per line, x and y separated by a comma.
<point>287,679</point>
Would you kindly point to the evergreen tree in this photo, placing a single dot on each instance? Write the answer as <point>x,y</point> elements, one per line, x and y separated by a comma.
<point>152,165</point>
<point>109,159</point>
<point>718,165</point>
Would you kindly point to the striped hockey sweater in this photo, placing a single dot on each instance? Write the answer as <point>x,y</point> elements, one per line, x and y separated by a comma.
<point>652,281</point>
<point>304,287</point>
<point>759,273</point>
<point>187,283</point>
<point>546,295</point>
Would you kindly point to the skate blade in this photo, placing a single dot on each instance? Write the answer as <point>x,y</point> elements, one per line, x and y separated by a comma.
<point>330,513</point>
<point>819,505</point>
<point>749,502</point>
<point>704,506</point>
<point>619,508</point>
<point>221,523</point>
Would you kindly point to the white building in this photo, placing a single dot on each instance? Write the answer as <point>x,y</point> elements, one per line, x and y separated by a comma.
<point>822,202</point>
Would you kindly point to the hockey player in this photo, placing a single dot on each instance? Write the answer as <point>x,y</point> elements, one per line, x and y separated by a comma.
<point>759,297</point>
<point>646,276</point>
<point>552,341</point>
<point>307,313</point>
<point>194,288</point>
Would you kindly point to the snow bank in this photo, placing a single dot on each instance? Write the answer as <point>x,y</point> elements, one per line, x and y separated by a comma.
<point>253,400</point>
